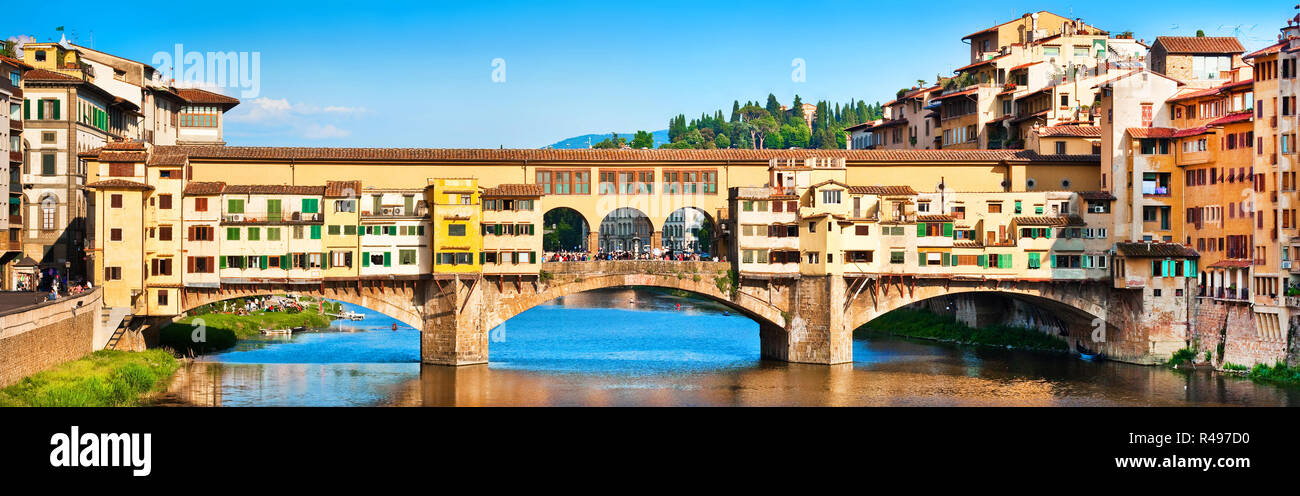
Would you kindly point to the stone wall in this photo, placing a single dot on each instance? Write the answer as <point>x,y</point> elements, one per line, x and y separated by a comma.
<point>37,337</point>
<point>1243,345</point>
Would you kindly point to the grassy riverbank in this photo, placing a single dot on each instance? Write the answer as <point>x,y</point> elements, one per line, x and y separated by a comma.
<point>223,329</point>
<point>102,378</point>
<point>928,325</point>
<point>1278,374</point>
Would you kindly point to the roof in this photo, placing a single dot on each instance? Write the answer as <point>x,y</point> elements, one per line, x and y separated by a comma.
<point>1231,263</point>
<point>1199,44</point>
<point>1050,220</point>
<point>828,181</point>
<point>1022,66</point>
<point>204,188</point>
<point>1097,195</point>
<point>119,184</point>
<point>980,63</point>
<point>934,218</point>
<point>958,93</point>
<point>1151,132</point>
<point>1213,91</point>
<point>342,189</point>
<point>27,261</point>
<point>1242,116</point>
<point>514,190</point>
<point>195,95</point>
<point>882,190</point>
<point>274,189</point>
<point>1070,131</point>
<point>177,155</point>
<point>46,75</point>
<point>15,62</point>
<point>1156,250</point>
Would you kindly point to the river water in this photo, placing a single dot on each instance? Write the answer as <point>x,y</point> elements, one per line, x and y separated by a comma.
<point>634,347</point>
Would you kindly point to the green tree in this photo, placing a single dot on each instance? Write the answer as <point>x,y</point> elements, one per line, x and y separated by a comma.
<point>612,142</point>
<point>722,141</point>
<point>704,235</point>
<point>643,139</point>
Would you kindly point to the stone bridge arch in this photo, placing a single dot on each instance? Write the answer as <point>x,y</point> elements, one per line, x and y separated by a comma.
<point>401,300</point>
<point>1082,307</point>
<point>509,299</point>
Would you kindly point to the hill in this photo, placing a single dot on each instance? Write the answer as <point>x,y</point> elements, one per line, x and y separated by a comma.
<point>661,137</point>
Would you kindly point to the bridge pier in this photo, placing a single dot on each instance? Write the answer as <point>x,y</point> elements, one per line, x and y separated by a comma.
<point>816,330</point>
<point>453,331</point>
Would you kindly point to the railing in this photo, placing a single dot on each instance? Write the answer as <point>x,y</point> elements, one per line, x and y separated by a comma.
<point>396,212</point>
<point>273,217</point>
<point>16,156</point>
<point>16,124</point>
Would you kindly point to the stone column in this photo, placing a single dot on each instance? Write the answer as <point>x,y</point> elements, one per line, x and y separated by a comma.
<point>593,242</point>
<point>816,330</point>
<point>656,240</point>
<point>453,332</point>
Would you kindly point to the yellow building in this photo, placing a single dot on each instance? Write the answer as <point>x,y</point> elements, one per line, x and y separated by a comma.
<point>342,220</point>
<point>456,213</point>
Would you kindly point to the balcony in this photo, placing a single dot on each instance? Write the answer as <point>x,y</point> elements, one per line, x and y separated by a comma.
<point>1292,301</point>
<point>1232,294</point>
<point>16,157</point>
<point>272,217</point>
<point>16,124</point>
<point>1272,122</point>
<point>397,211</point>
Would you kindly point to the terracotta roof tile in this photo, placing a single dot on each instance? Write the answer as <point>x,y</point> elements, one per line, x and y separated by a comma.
<point>934,218</point>
<point>195,95</point>
<point>1156,250</point>
<point>274,189</point>
<point>342,189</point>
<point>1096,195</point>
<point>1271,49</point>
<point>1056,220</point>
<point>122,156</point>
<point>1200,44</point>
<point>204,188</point>
<point>119,184</point>
<point>1151,132</point>
<point>44,75</point>
<point>176,154</point>
<point>1232,118</point>
<point>514,190</point>
<point>882,190</point>
<point>1070,131</point>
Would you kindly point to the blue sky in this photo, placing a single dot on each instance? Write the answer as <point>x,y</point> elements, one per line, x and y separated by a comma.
<point>421,75</point>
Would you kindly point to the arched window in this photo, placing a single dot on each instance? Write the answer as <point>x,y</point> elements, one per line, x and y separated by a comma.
<point>49,204</point>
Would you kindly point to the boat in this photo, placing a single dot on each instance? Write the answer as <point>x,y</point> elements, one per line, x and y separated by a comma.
<point>277,331</point>
<point>350,315</point>
<point>1088,354</point>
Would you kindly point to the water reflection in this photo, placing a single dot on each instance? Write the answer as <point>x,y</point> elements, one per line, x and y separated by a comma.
<point>636,347</point>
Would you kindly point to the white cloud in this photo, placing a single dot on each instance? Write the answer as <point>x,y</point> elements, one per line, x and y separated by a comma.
<point>265,110</point>
<point>304,120</point>
<point>328,131</point>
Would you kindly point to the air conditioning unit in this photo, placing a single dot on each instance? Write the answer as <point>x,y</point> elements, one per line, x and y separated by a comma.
<point>1286,265</point>
<point>389,211</point>
<point>236,217</point>
<point>1097,209</point>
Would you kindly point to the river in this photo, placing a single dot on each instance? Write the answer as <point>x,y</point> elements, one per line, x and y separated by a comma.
<point>640,347</point>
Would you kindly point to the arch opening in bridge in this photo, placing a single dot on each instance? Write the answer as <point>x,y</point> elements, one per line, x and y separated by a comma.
<point>626,230</point>
<point>565,229</point>
<point>981,309</point>
<point>689,230</point>
<point>637,326</point>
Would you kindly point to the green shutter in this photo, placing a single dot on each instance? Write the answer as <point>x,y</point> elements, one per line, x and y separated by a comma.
<point>1017,206</point>
<point>40,110</point>
<point>1034,260</point>
<point>982,261</point>
<point>365,259</point>
<point>284,261</point>
<point>56,110</point>
<point>920,229</point>
<point>388,259</point>
<point>947,229</point>
<point>1085,262</point>
<point>1052,259</point>
<point>27,109</point>
<point>1004,262</point>
<point>266,262</point>
<point>315,231</point>
<point>221,262</point>
<point>1047,233</point>
<point>943,259</point>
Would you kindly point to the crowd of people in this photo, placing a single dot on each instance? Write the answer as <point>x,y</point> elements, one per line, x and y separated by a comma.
<point>665,255</point>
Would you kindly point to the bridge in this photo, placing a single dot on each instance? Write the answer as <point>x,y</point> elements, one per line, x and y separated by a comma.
<point>804,319</point>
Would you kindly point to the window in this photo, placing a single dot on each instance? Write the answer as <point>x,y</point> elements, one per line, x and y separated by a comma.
<point>115,234</point>
<point>406,257</point>
<point>164,233</point>
<point>895,257</point>
<point>165,202</point>
<point>831,197</point>
<point>995,208</point>
<point>232,233</point>
<point>456,229</point>
<point>115,200</point>
<point>200,204</point>
<point>234,206</point>
<point>47,214</point>
<point>162,297</point>
<point>199,116</point>
<point>1060,148</point>
<point>272,234</point>
<point>47,164</point>
<point>565,182</point>
<point>113,273</point>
